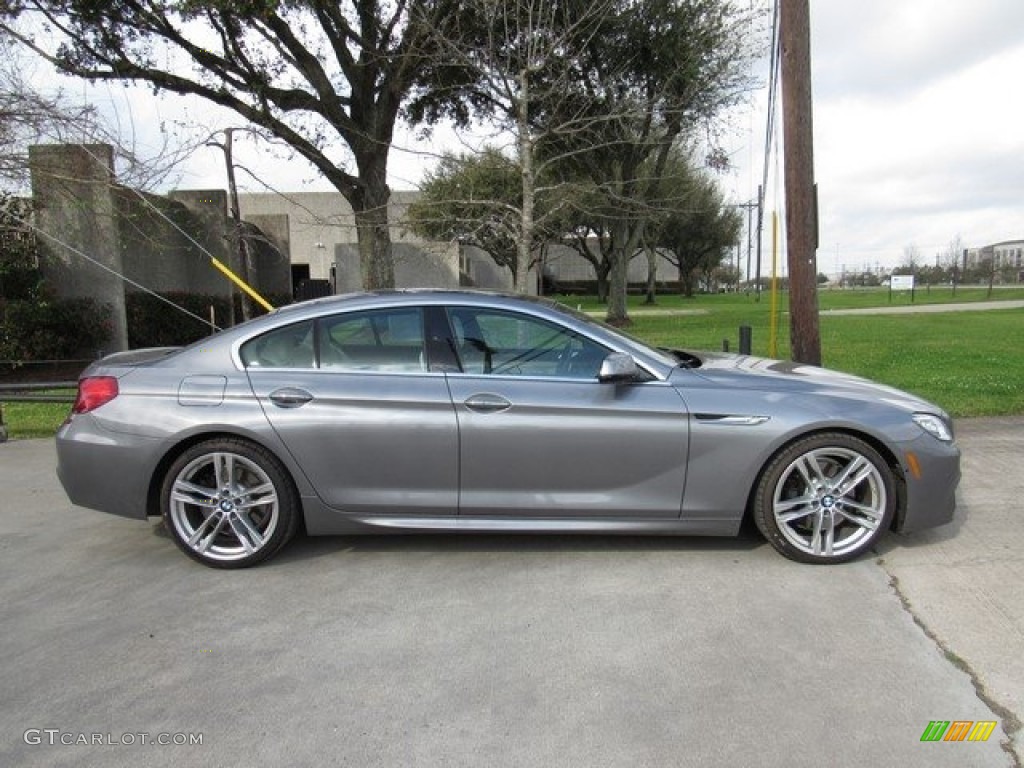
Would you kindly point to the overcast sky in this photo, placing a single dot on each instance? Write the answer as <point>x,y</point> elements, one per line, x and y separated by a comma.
<point>918,122</point>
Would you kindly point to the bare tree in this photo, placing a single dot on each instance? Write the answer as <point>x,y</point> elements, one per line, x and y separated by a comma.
<point>329,79</point>
<point>516,63</point>
<point>911,259</point>
<point>30,114</point>
<point>952,259</point>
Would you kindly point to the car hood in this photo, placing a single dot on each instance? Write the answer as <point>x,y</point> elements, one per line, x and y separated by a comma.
<point>747,372</point>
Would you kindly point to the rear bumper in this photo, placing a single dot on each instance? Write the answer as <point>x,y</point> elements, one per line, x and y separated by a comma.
<point>105,471</point>
<point>932,472</point>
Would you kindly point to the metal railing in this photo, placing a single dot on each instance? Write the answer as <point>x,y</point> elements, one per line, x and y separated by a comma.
<point>34,392</point>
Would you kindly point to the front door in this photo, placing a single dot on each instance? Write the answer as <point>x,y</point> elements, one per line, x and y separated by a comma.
<point>540,436</point>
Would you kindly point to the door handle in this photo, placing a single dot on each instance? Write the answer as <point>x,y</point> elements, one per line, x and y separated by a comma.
<point>487,403</point>
<point>290,397</point>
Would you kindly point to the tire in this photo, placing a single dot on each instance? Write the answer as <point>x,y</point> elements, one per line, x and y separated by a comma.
<point>228,503</point>
<point>825,499</point>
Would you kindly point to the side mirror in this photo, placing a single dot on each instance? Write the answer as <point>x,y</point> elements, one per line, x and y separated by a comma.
<point>618,367</point>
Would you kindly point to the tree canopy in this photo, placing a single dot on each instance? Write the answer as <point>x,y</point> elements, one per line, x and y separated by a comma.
<point>327,78</point>
<point>601,93</point>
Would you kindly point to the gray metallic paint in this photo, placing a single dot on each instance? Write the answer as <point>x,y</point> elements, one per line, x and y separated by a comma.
<point>406,452</point>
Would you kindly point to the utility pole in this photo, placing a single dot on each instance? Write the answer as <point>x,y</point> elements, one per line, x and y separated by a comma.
<point>244,257</point>
<point>801,198</point>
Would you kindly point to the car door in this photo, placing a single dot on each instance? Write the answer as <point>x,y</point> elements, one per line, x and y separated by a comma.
<point>541,437</point>
<point>353,400</point>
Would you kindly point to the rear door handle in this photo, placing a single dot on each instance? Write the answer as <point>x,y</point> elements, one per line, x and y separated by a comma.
<point>290,397</point>
<point>485,403</point>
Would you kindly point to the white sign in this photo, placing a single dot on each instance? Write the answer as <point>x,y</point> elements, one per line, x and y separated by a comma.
<point>901,283</point>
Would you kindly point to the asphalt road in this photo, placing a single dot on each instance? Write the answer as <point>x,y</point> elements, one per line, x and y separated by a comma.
<point>508,651</point>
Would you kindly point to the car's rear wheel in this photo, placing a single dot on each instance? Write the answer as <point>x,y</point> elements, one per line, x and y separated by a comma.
<point>229,504</point>
<point>825,499</point>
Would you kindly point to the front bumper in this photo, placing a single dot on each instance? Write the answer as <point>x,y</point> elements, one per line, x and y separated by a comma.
<point>931,470</point>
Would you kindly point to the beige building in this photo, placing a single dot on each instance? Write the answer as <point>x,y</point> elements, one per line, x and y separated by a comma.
<point>317,230</point>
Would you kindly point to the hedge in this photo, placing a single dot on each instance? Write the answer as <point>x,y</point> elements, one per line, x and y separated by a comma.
<point>53,329</point>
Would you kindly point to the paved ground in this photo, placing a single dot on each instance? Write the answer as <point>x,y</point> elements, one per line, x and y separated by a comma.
<point>976,306</point>
<point>472,651</point>
<point>902,309</point>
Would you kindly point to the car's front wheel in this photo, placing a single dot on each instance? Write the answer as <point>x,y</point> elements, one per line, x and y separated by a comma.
<point>825,499</point>
<point>228,503</point>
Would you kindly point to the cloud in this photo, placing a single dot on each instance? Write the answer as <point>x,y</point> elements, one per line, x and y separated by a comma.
<point>884,49</point>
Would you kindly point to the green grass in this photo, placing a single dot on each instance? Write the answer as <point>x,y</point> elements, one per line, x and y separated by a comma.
<point>26,420</point>
<point>970,363</point>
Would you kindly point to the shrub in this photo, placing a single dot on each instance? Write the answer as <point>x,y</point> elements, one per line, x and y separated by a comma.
<point>155,323</point>
<point>56,329</point>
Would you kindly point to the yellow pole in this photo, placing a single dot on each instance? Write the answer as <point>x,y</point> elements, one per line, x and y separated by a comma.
<point>242,284</point>
<point>773,330</point>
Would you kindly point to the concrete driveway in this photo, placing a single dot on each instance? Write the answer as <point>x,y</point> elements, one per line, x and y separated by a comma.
<point>508,651</point>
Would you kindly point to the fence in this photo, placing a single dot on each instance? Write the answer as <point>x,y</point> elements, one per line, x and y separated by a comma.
<point>36,392</point>
<point>33,381</point>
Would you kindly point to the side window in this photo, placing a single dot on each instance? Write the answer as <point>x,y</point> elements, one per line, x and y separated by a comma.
<point>380,340</point>
<point>288,347</point>
<point>509,344</point>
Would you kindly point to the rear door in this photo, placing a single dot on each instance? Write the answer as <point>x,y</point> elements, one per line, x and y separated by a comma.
<point>354,402</point>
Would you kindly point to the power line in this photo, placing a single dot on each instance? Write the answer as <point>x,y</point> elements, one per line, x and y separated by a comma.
<point>120,275</point>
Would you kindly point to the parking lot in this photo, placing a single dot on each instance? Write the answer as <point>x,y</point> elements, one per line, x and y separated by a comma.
<point>509,651</point>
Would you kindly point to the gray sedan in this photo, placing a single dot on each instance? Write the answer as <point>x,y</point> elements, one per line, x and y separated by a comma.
<point>457,411</point>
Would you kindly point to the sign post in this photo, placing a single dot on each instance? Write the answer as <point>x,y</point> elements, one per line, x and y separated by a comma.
<point>901,283</point>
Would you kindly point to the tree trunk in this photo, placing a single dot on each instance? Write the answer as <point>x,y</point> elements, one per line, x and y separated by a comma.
<point>602,283</point>
<point>652,277</point>
<point>525,242</point>
<point>625,241</point>
<point>370,210</point>
<point>618,313</point>
<point>686,281</point>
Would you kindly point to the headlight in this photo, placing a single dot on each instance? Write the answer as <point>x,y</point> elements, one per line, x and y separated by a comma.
<point>934,426</point>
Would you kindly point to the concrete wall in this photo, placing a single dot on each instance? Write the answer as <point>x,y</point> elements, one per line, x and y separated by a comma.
<point>96,231</point>
<point>321,232</point>
<point>76,210</point>
<point>269,240</point>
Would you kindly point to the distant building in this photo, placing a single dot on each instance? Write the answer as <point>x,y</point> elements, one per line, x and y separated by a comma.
<point>317,230</point>
<point>1008,254</point>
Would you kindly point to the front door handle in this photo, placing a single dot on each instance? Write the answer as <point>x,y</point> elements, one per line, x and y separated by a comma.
<point>290,397</point>
<point>485,403</point>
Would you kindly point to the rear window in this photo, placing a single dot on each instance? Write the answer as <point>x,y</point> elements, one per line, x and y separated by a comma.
<point>288,347</point>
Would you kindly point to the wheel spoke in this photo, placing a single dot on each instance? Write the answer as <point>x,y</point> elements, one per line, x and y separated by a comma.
<point>869,517</point>
<point>855,474</point>
<point>852,467</point>
<point>822,539</point>
<point>201,544</point>
<point>247,534</point>
<point>782,508</point>
<point>190,493</point>
<point>258,496</point>
<point>809,470</point>
<point>224,466</point>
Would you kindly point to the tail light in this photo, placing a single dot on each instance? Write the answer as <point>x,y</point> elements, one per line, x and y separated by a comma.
<point>94,391</point>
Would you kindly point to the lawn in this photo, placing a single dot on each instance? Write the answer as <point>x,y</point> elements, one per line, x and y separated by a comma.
<point>970,363</point>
